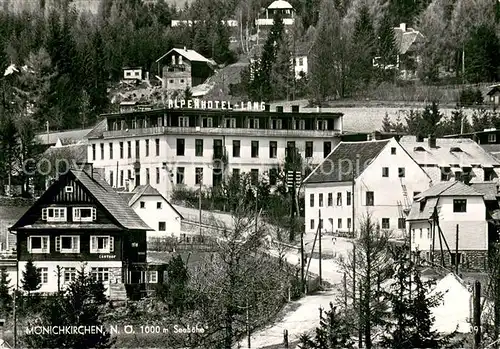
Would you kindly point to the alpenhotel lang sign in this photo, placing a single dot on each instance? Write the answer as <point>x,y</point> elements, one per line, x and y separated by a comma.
<point>198,104</point>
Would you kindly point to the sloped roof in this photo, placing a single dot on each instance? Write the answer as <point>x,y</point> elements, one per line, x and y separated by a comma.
<point>98,130</point>
<point>405,39</point>
<point>67,137</point>
<point>426,213</point>
<point>148,190</point>
<point>493,90</point>
<point>190,55</point>
<point>338,166</point>
<point>455,188</point>
<point>76,152</point>
<point>280,4</point>
<point>488,189</point>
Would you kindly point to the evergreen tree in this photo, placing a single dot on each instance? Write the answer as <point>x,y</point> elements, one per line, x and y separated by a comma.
<point>5,296</point>
<point>387,50</point>
<point>282,74</point>
<point>482,58</point>
<point>32,278</point>
<point>386,123</point>
<point>364,43</point>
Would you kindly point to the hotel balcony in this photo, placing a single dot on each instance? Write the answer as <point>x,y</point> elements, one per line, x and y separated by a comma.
<point>219,131</point>
<point>270,21</point>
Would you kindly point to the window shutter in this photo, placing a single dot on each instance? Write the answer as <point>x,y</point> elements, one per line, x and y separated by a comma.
<point>44,214</point>
<point>29,244</point>
<point>76,214</point>
<point>93,243</point>
<point>111,244</point>
<point>63,213</point>
<point>76,243</point>
<point>58,244</point>
<point>94,214</point>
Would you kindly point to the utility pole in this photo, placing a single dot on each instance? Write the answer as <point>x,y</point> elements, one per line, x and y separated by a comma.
<point>248,323</point>
<point>319,233</point>
<point>256,209</point>
<point>200,179</point>
<point>456,252</point>
<point>15,300</point>
<point>48,132</point>
<point>477,315</point>
<point>58,271</point>
<point>360,313</point>
<point>463,64</point>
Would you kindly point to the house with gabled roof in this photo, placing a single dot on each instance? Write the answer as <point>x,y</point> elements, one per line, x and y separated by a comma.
<point>358,178</point>
<point>409,43</point>
<point>447,215</point>
<point>78,221</point>
<point>156,211</point>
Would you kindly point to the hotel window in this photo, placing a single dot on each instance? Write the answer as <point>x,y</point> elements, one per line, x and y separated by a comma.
<point>162,226</point>
<point>311,223</point>
<point>492,138</point>
<point>93,152</point>
<point>276,124</point>
<point>301,124</point>
<point>385,223</point>
<point>69,274</point>
<point>218,150</point>
<point>157,175</point>
<point>320,200</point>
<point>183,121</point>
<point>207,122</point>
<point>102,151</point>
<point>68,244</point>
<point>348,198</point>
<point>236,149</point>
<point>311,200</point>
<point>100,274</point>
<point>254,176</point>
<point>152,276</point>
<point>273,176</point>
<point>180,175</point>
<point>255,149</point>
<point>157,146</point>
<point>330,199</point>
<point>321,223</point>
<point>321,125</point>
<point>401,172</point>
<point>111,178</point>
<point>393,151</point>
<point>180,147</point>
<point>385,171</point>
<point>111,151</point>
<point>349,222</point>
<point>236,172</point>
<point>121,150</point>
<point>44,275</point>
<point>273,150</point>
<point>84,214</point>
<point>147,147</point>
<point>459,205</point>
<point>327,148</point>
<point>137,149</point>
<point>401,223</point>
<point>102,244</point>
<point>339,199</point>
<point>134,124</point>
<point>158,205</point>
<point>290,148</point>
<point>339,223</point>
<point>230,122</point>
<point>198,172</point>
<point>369,198</point>
<point>54,214</point>
<point>148,180</point>
<point>129,149</point>
<point>38,244</point>
<point>198,147</point>
<point>121,178</point>
<point>309,149</point>
<point>253,123</point>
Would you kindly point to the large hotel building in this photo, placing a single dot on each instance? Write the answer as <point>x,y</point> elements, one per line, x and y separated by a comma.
<point>169,147</point>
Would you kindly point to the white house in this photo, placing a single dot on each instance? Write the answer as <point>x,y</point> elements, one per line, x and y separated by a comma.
<point>439,214</point>
<point>382,176</point>
<point>281,7</point>
<point>134,73</point>
<point>156,211</point>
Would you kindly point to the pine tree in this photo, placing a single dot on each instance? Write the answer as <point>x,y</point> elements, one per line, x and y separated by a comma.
<point>5,294</point>
<point>282,74</point>
<point>364,44</point>
<point>32,278</point>
<point>387,50</point>
<point>386,123</point>
<point>483,55</point>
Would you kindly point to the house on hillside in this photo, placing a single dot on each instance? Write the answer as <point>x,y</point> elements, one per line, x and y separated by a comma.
<point>360,178</point>
<point>183,68</point>
<point>409,43</point>
<point>80,218</point>
<point>278,7</point>
<point>156,211</point>
<point>301,60</point>
<point>132,73</point>
<point>441,213</point>
<point>494,95</point>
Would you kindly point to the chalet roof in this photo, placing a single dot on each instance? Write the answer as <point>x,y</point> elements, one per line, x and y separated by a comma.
<point>66,137</point>
<point>488,189</point>
<point>148,190</point>
<point>190,55</point>
<point>338,165</point>
<point>405,39</point>
<point>280,4</point>
<point>98,130</point>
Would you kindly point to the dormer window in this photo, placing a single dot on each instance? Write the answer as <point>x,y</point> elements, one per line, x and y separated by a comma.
<point>54,214</point>
<point>419,149</point>
<point>422,205</point>
<point>455,150</point>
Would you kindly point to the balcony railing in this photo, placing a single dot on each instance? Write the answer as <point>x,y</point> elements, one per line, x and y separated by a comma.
<point>151,131</point>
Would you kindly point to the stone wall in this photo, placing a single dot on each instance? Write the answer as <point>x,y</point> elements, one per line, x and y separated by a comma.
<point>474,260</point>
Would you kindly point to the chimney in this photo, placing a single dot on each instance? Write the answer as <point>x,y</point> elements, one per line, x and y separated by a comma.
<point>420,138</point>
<point>402,26</point>
<point>185,48</point>
<point>295,108</point>
<point>267,107</point>
<point>432,141</point>
<point>318,109</point>
<point>279,109</point>
<point>87,167</point>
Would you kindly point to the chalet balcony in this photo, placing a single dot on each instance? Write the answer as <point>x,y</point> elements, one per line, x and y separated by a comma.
<point>270,21</point>
<point>219,131</point>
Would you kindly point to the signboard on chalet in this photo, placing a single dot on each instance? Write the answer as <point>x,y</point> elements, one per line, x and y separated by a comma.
<point>199,104</point>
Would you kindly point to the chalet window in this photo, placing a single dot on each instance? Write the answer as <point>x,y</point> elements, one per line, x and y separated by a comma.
<point>459,205</point>
<point>370,198</point>
<point>183,121</point>
<point>44,275</point>
<point>236,149</point>
<point>330,199</point>
<point>311,200</point>
<point>152,276</point>
<point>180,146</point>
<point>69,274</point>
<point>142,204</point>
<point>93,152</point>
<point>111,151</point>
<point>157,146</point>
<point>157,175</point>
<point>492,138</point>
<point>309,149</point>
<point>327,148</point>
<point>129,149</point>
<point>162,226</point>
<point>84,214</point>
<point>339,199</point>
<point>100,274</point>
<point>207,122</point>
<point>385,171</point>
<point>121,150</point>
<point>339,223</point>
<point>385,223</point>
<point>102,244</point>
<point>38,244</point>
<point>401,223</point>
<point>102,151</point>
<point>54,214</point>
<point>255,149</point>
<point>68,189</point>
<point>147,147</point>
<point>320,200</point>
<point>68,244</point>
<point>230,122</point>
<point>273,150</point>
<point>180,175</point>
<point>198,147</point>
<point>401,172</point>
<point>348,198</point>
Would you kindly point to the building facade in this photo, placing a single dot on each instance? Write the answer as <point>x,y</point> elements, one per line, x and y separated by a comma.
<point>132,73</point>
<point>278,7</point>
<point>80,221</point>
<point>177,146</point>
